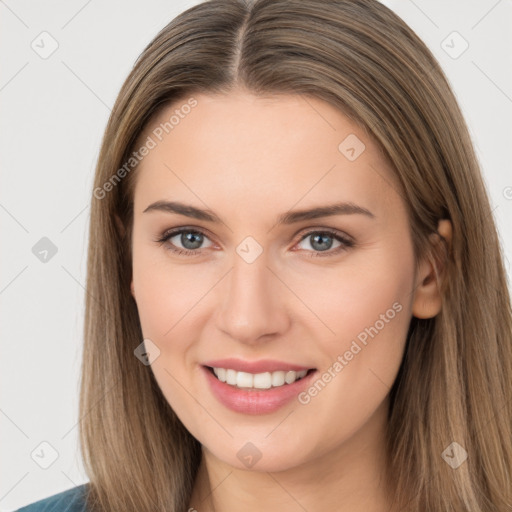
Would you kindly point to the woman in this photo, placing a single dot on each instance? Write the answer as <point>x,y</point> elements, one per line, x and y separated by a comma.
<point>296,295</point>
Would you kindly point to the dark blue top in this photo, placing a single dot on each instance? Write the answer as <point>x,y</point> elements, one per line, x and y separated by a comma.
<point>72,500</point>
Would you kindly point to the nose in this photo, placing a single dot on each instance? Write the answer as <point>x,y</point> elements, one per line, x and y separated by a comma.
<point>253,307</point>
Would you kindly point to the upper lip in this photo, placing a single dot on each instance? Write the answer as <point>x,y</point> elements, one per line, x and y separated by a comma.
<point>261,366</point>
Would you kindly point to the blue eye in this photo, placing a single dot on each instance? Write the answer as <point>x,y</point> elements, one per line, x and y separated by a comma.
<point>322,242</point>
<point>191,241</point>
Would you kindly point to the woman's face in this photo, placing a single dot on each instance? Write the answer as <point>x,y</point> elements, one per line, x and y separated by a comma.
<point>257,278</point>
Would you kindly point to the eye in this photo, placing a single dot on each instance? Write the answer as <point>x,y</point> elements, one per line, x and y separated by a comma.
<point>190,240</point>
<point>322,241</point>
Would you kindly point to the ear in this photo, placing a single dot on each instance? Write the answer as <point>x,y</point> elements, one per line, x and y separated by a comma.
<point>427,300</point>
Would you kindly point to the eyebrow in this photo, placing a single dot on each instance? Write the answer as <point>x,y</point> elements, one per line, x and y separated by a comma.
<point>291,217</point>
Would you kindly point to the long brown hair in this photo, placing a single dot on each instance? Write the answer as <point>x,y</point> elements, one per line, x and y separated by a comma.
<point>455,381</point>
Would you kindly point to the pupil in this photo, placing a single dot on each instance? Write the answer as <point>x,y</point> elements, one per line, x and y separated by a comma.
<point>194,238</point>
<point>322,238</point>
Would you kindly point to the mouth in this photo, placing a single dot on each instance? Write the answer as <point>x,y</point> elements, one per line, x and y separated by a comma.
<point>258,381</point>
<point>256,387</point>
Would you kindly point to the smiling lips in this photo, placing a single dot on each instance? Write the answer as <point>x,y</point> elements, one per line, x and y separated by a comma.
<point>255,387</point>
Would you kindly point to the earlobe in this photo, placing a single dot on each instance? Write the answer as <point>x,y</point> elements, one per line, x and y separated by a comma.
<point>427,297</point>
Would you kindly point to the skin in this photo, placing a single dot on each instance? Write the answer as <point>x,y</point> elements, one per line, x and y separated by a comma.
<point>250,159</point>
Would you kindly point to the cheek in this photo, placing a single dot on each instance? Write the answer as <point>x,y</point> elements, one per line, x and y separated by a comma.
<point>165,293</point>
<point>348,298</point>
<point>370,317</point>
<point>366,307</point>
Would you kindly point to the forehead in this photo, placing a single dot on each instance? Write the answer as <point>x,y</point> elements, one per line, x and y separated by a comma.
<point>237,145</point>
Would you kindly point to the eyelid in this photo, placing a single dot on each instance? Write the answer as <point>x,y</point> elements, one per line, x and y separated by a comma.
<point>324,229</point>
<point>168,233</point>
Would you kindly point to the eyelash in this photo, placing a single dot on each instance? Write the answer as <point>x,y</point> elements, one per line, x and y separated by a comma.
<point>346,242</point>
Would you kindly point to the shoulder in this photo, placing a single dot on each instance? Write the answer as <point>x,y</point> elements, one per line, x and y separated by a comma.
<point>72,500</point>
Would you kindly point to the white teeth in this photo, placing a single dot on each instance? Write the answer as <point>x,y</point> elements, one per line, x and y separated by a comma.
<point>221,374</point>
<point>277,379</point>
<point>290,377</point>
<point>259,380</point>
<point>230,377</point>
<point>244,380</point>
<point>262,380</point>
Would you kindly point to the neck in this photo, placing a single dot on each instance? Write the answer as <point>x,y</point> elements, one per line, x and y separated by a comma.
<point>352,477</point>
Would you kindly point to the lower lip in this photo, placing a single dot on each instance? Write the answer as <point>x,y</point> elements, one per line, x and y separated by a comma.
<point>255,401</point>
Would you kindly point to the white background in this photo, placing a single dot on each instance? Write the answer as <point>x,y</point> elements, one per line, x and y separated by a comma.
<point>53,115</point>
